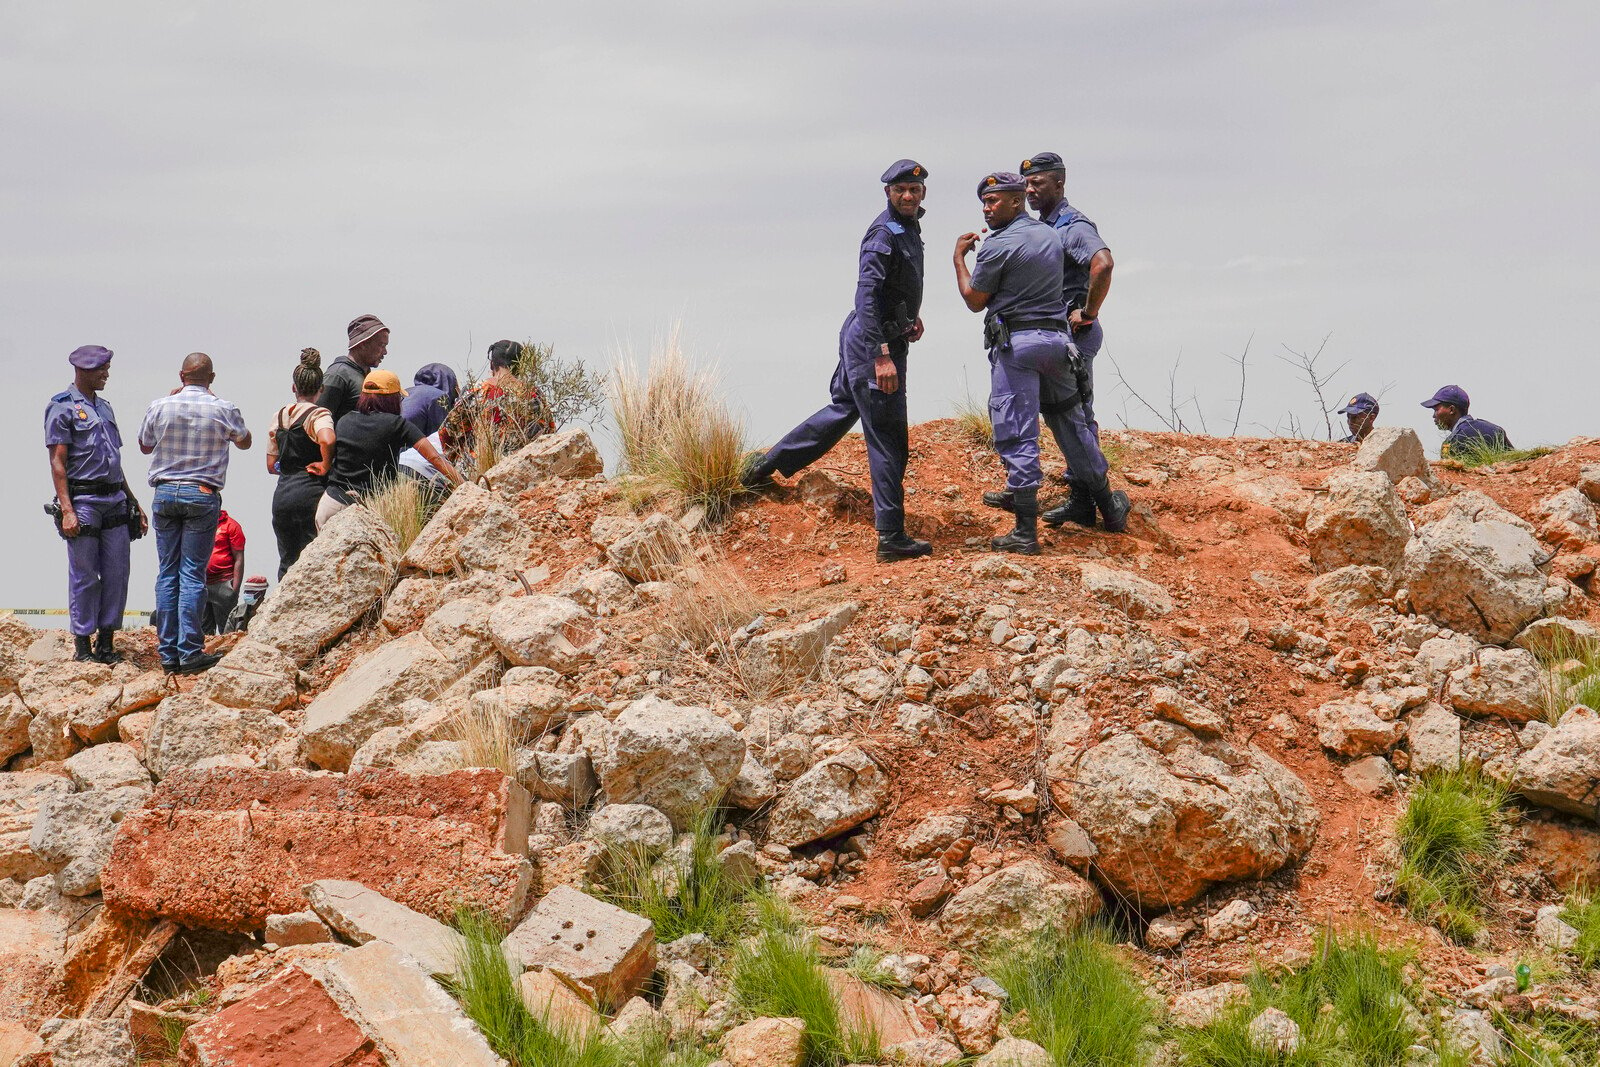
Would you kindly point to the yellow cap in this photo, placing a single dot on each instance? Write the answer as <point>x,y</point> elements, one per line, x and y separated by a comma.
<point>381,382</point>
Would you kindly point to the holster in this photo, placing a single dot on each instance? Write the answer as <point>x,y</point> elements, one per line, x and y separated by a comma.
<point>995,333</point>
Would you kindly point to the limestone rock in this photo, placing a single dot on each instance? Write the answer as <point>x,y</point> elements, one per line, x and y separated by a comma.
<point>1166,932</point>
<point>1560,771</point>
<point>1235,919</point>
<point>296,928</point>
<point>1352,726</point>
<point>1017,901</point>
<point>1395,451</point>
<point>1173,706</point>
<point>107,766</point>
<point>609,952</point>
<point>754,786</point>
<point>340,577</point>
<point>1504,682</point>
<point>561,1005</point>
<point>1472,506</point>
<point>1139,597</point>
<point>798,650</point>
<point>188,729</point>
<point>1273,1032</point>
<point>544,631</point>
<point>766,1043</point>
<point>56,694</point>
<point>15,719</point>
<point>251,675</point>
<point>933,834</point>
<point>840,793</point>
<point>459,630</point>
<point>1551,932</point>
<point>864,1008</point>
<point>1361,521</point>
<point>473,530</point>
<point>361,915</point>
<point>563,454</point>
<point>675,758</point>
<point>88,1043</point>
<point>1348,589</point>
<point>370,695</point>
<point>22,795</point>
<point>1372,775</point>
<point>1569,519</point>
<point>1172,815</point>
<point>1557,635</point>
<point>1199,1008</point>
<point>604,592</point>
<point>1481,578</point>
<point>924,1052</point>
<point>1015,1052</point>
<point>631,828</point>
<point>75,832</point>
<point>651,551</point>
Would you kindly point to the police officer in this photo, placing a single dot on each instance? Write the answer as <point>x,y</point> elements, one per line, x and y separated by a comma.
<point>98,512</point>
<point>1086,282</point>
<point>869,383</point>
<point>1360,415</point>
<point>1018,283</point>
<point>1450,406</point>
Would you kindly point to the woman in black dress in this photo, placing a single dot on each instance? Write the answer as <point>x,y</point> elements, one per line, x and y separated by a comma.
<point>299,451</point>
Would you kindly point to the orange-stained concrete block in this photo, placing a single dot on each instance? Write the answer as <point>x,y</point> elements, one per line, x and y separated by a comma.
<point>291,1019</point>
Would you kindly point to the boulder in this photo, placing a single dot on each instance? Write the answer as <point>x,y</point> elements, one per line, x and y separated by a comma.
<point>1274,1033</point>
<point>1433,737</point>
<point>1561,770</point>
<point>459,631</point>
<point>1372,775</point>
<point>1551,932</point>
<point>1234,919</point>
<point>544,631</point>
<point>88,1043</point>
<point>838,794</point>
<point>473,530</point>
<point>1472,506</point>
<point>631,828</point>
<point>1395,451</point>
<point>1173,706</point>
<point>224,849</point>
<point>1015,1052</point>
<point>603,591</point>
<point>296,928</point>
<point>797,651</point>
<point>22,795</point>
<point>754,787</point>
<point>1362,521</point>
<point>290,1018</point>
<point>561,1005</point>
<point>564,454</point>
<point>1172,815</point>
<point>107,766</point>
<point>340,577</point>
<point>675,758</point>
<point>766,1043</point>
<point>252,675</point>
<point>651,551</point>
<point>564,777</point>
<point>864,1008</point>
<point>1558,636</point>
<point>188,729</point>
<point>1017,901</point>
<point>370,695</point>
<point>1352,726</point>
<point>1504,681</point>
<point>1437,657</point>
<point>15,718</point>
<point>933,834</point>
<point>1481,578</point>
<point>1568,519</point>
<point>1349,589</point>
<point>1139,597</point>
<point>74,833</point>
<point>1199,1008</point>
<point>609,952</point>
<point>59,692</point>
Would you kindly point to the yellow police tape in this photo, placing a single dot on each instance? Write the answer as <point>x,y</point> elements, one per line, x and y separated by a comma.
<point>54,611</point>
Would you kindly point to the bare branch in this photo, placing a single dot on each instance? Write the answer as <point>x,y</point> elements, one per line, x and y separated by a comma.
<point>1238,410</point>
<point>1122,379</point>
<point>1315,377</point>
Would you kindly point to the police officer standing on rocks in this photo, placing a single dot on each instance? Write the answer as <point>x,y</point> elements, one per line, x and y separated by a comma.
<point>95,511</point>
<point>1018,283</point>
<point>1086,281</point>
<point>869,383</point>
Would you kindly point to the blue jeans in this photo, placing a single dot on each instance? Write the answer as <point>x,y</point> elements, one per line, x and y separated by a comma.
<point>185,516</point>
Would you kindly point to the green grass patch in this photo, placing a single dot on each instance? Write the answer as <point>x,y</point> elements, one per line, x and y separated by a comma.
<point>1473,454</point>
<point>1074,995</point>
<point>1571,672</point>
<point>1450,836</point>
<point>1548,1040</point>
<point>1351,1003</point>
<point>866,963</point>
<point>779,973</point>
<point>1582,913</point>
<point>682,893</point>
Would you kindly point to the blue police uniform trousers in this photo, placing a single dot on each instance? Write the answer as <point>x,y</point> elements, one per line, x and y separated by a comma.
<point>883,424</point>
<point>1072,416</point>
<point>97,565</point>
<point>1088,342</point>
<point>1032,370</point>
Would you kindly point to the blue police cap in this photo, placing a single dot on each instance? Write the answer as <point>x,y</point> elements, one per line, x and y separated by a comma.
<point>1360,404</point>
<point>905,170</point>
<point>1041,163</point>
<point>1002,181</point>
<point>1449,394</point>
<point>90,357</point>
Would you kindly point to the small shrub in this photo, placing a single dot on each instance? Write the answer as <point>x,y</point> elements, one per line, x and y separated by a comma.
<point>572,392</point>
<point>1450,836</point>
<point>1081,1002</point>
<point>404,506</point>
<point>779,973</point>
<point>676,431</point>
<point>488,994</point>
<point>682,895</point>
<point>1473,454</point>
<point>1582,913</point>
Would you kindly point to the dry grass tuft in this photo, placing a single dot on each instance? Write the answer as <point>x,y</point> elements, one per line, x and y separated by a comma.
<point>972,419</point>
<point>403,505</point>
<point>677,433</point>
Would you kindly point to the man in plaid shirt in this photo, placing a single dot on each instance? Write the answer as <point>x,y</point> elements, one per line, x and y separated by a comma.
<point>187,433</point>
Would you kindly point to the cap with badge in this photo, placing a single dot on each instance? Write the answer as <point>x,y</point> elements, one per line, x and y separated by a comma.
<point>1360,404</point>
<point>382,382</point>
<point>1001,181</point>
<point>90,357</point>
<point>904,170</point>
<point>364,328</point>
<point>1042,163</point>
<point>1453,395</point>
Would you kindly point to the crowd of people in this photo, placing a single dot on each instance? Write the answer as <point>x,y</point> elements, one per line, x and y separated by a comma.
<point>346,433</point>
<point>1039,280</point>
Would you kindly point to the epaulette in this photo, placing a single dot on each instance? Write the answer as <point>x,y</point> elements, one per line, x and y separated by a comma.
<point>895,227</point>
<point>61,397</point>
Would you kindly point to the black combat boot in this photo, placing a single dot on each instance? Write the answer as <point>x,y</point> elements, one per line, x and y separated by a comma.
<point>1001,499</point>
<point>757,474</point>
<point>1078,508</point>
<point>105,650</point>
<point>1114,508</point>
<point>897,546</point>
<point>84,653</point>
<point>1024,539</point>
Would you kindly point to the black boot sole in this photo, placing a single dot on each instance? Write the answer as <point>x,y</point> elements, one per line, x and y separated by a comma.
<point>999,501</point>
<point>1019,548</point>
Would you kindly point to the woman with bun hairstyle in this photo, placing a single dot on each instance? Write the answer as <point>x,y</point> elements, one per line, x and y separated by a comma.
<point>299,452</point>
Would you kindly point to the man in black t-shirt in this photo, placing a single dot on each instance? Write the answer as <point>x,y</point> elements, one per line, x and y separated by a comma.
<point>341,385</point>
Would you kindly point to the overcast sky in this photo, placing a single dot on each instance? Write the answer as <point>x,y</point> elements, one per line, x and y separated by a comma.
<point>1416,179</point>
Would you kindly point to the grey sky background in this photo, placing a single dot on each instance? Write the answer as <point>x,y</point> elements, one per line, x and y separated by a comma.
<point>1416,179</point>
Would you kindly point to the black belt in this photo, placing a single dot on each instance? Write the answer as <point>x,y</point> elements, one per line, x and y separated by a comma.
<point>1058,325</point>
<point>92,488</point>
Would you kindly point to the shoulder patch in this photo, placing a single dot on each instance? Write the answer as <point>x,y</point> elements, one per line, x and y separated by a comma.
<point>895,227</point>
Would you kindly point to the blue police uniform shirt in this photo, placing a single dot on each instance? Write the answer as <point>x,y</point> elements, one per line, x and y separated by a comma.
<point>89,430</point>
<point>1020,264</point>
<point>1080,240</point>
<point>889,279</point>
<point>1468,429</point>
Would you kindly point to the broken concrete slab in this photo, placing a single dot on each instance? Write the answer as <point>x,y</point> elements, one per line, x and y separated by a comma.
<point>22,794</point>
<point>361,915</point>
<point>606,950</point>
<point>473,530</point>
<point>224,849</point>
<point>290,1019</point>
<point>370,695</point>
<point>30,953</point>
